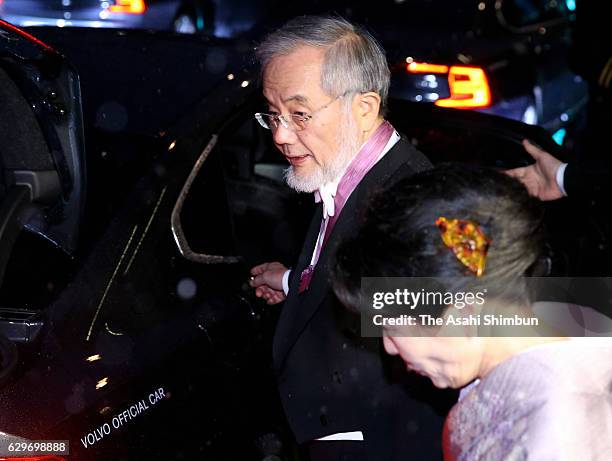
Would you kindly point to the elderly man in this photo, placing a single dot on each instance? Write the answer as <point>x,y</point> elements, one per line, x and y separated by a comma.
<point>326,84</point>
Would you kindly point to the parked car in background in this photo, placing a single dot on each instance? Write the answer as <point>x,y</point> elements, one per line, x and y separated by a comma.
<point>503,57</point>
<point>213,17</point>
<point>136,191</point>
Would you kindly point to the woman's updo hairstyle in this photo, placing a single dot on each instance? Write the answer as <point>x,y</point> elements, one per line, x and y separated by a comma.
<point>399,236</point>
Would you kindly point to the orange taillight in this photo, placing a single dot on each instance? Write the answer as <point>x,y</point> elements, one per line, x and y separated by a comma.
<point>426,68</point>
<point>469,88</point>
<point>128,6</point>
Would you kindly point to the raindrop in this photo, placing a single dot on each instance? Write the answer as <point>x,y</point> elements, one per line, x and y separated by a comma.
<point>111,116</point>
<point>186,288</point>
<point>216,61</point>
<point>160,170</point>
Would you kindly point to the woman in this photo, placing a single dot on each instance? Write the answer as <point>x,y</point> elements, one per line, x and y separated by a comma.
<point>530,397</point>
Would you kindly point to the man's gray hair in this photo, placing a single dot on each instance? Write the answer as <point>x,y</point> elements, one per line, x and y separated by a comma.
<point>354,61</point>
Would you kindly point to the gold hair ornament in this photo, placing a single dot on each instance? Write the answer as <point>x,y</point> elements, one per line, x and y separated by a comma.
<point>468,242</point>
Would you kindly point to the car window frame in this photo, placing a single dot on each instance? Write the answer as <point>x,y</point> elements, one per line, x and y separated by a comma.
<point>175,220</point>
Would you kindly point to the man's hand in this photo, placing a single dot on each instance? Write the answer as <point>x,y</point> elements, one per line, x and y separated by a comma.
<point>539,178</point>
<point>267,279</point>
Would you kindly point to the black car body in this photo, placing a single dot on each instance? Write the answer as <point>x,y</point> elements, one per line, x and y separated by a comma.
<point>127,326</point>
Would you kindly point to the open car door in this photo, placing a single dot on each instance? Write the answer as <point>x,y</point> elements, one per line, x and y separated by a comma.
<point>42,180</point>
<point>42,167</point>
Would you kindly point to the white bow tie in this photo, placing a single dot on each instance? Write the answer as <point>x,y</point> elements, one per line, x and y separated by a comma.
<point>326,194</point>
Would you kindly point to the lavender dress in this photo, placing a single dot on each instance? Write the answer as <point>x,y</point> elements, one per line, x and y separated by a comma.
<point>550,402</point>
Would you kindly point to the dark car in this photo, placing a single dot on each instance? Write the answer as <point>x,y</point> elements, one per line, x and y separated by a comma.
<point>135,195</point>
<point>221,18</point>
<point>503,57</point>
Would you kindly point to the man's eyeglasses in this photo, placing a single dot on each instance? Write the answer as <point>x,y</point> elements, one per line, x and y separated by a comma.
<point>294,122</point>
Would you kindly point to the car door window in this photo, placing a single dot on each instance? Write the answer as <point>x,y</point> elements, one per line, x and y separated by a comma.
<point>267,220</point>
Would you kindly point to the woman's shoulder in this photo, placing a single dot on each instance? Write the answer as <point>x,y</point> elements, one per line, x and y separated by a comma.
<point>563,392</point>
<point>574,420</point>
<point>570,365</point>
<point>547,400</point>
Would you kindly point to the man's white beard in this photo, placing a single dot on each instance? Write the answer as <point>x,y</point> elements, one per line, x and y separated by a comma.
<point>348,146</point>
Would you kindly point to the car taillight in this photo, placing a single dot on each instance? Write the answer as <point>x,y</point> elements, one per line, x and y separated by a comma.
<point>426,68</point>
<point>469,87</point>
<point>128,6</point>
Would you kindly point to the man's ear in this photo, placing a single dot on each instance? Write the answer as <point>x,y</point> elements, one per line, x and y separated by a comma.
<point>366,108</point>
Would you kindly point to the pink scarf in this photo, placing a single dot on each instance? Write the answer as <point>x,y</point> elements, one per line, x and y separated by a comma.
<point>363,162</point>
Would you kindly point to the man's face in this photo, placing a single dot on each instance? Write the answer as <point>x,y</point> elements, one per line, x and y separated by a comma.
<point>320,152</point>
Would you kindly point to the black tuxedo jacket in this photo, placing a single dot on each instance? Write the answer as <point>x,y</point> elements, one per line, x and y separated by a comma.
<point>330,379</point>
<point>590,180</point>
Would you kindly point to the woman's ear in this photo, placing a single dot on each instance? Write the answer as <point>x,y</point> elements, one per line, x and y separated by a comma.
<point>464,322</point>
<point>473,315</point>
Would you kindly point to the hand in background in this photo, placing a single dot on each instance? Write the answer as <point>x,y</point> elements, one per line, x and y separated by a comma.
<point>267,279</point>
<point>539,178</point>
